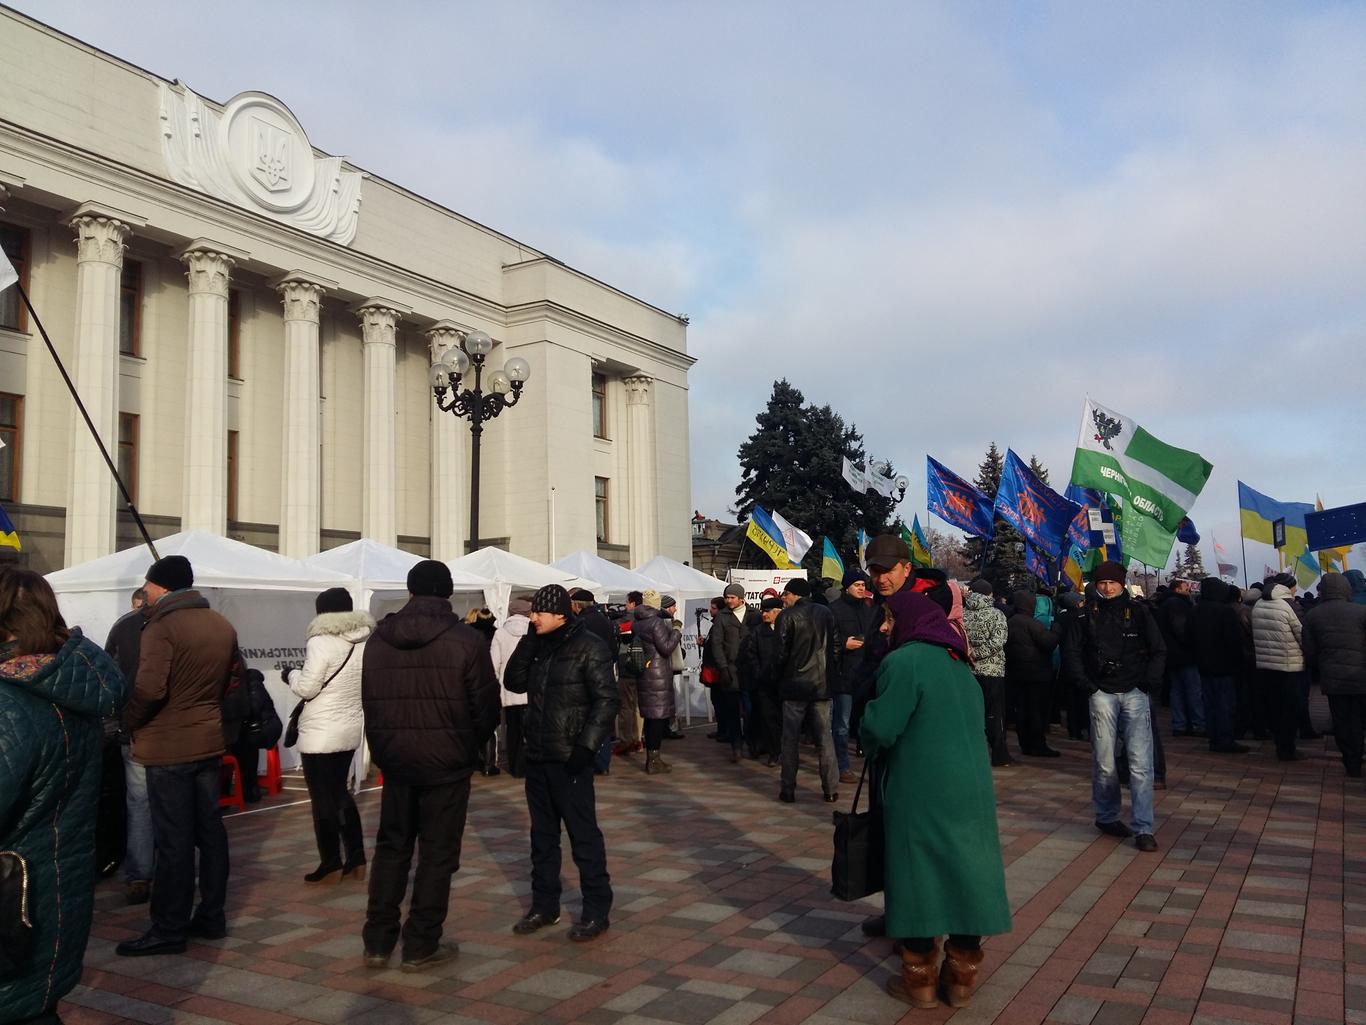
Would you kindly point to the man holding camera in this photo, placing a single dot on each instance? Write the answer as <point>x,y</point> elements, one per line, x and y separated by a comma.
<point>1114,652</point>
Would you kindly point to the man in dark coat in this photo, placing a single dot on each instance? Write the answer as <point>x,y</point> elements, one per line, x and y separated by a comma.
<point>1029,673</point>
<point>759,664</point>
<point>854,616</point>
<point>587,611</point>
<point>123,644</point>
<point>728,629</point>
<point>1173,617</point>
<point>1215,638</point>
<point>1335,652</point>
<point>431,702</point>
<point>565,670</point>
<point>807,654</point>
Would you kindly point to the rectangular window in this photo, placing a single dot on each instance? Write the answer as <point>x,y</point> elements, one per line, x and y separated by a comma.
<point>600,499</point>
<point>11,427</point>
<point>14,241</point>
<point>235,334</point>
<point>232,475</point>
<point>130,309</point>
<point>600,405</point>
<point>128,452</point>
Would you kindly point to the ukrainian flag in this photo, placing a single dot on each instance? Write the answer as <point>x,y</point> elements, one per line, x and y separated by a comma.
<point>920,548</point>
<point>1257,512</point>
<point>832,567</point>
<point>765,533</point>
<point>9,537</point>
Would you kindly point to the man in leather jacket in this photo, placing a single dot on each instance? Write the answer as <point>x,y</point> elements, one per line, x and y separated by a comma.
<point>807,656</point>
<point>565,670</point>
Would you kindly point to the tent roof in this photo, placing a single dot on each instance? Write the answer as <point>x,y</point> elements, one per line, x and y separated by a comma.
<point>217,561</point>
<point>382,567</point>
<point>505,568</point>
<point>684,581</point>
<point>612,579</point>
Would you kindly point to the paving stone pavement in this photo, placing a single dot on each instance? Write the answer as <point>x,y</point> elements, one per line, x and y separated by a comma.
<point>1254,910</point>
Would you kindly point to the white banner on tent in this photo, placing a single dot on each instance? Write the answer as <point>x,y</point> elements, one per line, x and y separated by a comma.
<point>757,581</point>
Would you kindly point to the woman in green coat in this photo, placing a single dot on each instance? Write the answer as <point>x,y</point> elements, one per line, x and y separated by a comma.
<point>943,853</point>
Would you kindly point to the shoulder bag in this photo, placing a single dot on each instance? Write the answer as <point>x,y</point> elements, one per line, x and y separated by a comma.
<point>856,870</point>
<point>292,730</point>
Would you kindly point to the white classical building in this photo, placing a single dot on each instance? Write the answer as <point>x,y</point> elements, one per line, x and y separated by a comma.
<point>250,323</point>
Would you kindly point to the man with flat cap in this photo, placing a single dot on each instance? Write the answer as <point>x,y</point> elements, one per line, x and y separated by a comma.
<point>188,680</point>
<point>806,657</point>
<point>431,702</point>
<point>854,616</point>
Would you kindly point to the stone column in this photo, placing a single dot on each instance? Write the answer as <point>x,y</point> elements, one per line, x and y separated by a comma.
<point>204,502</point>
<point>92,493</point>
<point>379,502</point>
<point>301,466</point>
<point>643,529</point>
<point>450,469</point>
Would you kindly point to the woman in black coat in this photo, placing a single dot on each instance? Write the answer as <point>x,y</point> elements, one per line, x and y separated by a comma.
<point>1029,673</point>
<point>658,636</point>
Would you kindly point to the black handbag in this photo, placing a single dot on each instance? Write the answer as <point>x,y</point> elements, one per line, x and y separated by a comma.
<point>292,730</point>
<point>856,870</point>
<point>16,929</point>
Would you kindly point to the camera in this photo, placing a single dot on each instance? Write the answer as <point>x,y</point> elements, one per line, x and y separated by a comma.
<point>1108,668</point>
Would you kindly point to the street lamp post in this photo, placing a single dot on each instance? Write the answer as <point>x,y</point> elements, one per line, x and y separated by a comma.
<point>505,388</point>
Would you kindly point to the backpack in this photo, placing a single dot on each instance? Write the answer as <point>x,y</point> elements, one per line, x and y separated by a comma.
<point>631,657</point>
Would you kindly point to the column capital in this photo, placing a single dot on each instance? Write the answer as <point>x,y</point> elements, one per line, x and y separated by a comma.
<point>379,320</point>
<point>9,185</point>
<point>302,295</point>
<point>102,233</point>
<point>209,265</point>
<point>638,388</point>
<point>442,335</point>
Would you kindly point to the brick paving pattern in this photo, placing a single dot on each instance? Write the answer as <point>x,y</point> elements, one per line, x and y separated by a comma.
<point>1254,910</point>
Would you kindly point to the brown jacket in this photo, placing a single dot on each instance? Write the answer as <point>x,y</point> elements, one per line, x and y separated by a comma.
<point>187,657</point>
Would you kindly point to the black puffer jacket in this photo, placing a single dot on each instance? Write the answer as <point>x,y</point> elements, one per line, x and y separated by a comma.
<point>659,638</point>
<point>572,697</point>
<point>1335,638</point>
<point>806,651</point>
<point>429,694</point>
<point>1029,644</point>
<point>852,619</point>
<point>1214,633</point>
<point>1173,618</point>
<point>1114,645</point>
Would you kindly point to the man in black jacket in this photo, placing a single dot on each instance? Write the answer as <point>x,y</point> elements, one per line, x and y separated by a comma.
<point>1115,650</point>
<point>728,629</point>
<point>124,643</point>
<point>854,616</point>
<point>565,670</point>
<point>1173,617</point>
<point>1215,639</point>
<point>431,702</point>
<point>807,653</point>
<point>1029,673</point>
<point>1335,653</point>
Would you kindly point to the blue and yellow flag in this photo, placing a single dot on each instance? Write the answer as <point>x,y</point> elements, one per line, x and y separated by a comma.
<point>920,548</point>
<point>832,567</point>
<point>1306,570</point>
<point>9,537</point>
<point>861,539</point>
<point>765,533</point>
<point>1257,512</point>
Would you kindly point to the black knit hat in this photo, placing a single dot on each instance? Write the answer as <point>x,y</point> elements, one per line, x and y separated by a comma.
<point>582,594</point>
<point>431,579</point>
<point>334,599</point>
<point>173,572</point>
<point>981,586</point>
<point>769,604</point>
<point>799,586</point>
<point>1108,571</point>
<point>552,598</point>
<point>854,576</point>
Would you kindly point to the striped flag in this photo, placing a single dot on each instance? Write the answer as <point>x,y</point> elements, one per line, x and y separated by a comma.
<point>832,566</point>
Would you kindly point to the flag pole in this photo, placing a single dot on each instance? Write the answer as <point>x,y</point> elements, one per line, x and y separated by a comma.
<point>99,442</point>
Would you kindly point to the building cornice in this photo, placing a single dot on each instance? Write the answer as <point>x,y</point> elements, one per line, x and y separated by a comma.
<point>549,311</point>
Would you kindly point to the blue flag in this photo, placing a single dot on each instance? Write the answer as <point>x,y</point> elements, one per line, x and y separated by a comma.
<point>1038,564</point>
<point>957,502</point>
<point>1079,530</point>
<point>1029,505</point>
<point>1186,532</point>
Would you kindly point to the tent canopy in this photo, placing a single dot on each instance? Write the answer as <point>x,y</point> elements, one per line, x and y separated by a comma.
<point>510,572</point>
<point>613,581</point>
<point>380,567</point>
<point>673,577</point>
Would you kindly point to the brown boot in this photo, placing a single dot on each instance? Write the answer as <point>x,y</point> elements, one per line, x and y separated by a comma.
<point>958,977</point>
<point>915,984</point>
<point>655,765</point>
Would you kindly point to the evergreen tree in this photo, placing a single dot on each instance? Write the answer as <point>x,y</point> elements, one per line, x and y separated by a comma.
<point>989,471</point>
<point>1038,469</point>
<point>793,463</point>
<point>1190,564</point>
<point>1005,566</point>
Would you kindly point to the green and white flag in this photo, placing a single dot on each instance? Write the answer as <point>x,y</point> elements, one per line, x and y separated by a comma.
<point>1157,483</point>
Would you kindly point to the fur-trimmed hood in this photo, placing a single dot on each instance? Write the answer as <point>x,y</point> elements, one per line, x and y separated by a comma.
<point>349,626</point>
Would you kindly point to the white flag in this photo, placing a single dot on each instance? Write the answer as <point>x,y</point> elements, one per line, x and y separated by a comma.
<point>853,476</point>
<point>8,275</point>
<point>798,541</point>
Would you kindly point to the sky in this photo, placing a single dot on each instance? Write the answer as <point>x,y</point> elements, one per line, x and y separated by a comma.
<point>951,222</point>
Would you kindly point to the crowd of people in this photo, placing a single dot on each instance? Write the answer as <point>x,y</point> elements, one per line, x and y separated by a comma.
<point>883,666</point>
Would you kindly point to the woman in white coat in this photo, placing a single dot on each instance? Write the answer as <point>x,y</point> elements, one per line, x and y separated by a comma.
<point>330,730</point>
<point>505,641</point>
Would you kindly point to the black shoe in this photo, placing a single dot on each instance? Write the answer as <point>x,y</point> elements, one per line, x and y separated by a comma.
<point>1042,752</point>
<point>1146,842</point>
<point>1116,829</point>
<point>149,943</point>
<point>200,931</point>
<point>1230,749</point>
<point>675,735</point>
<point>1293,756</point>
<point>252,795</point>
<point>374,959</point>
<point>876,926</point>
<point>139,891</point>
<point>787,796</point>
<point>492,770</point>
<point>327,874</point>
<point>588,929</point>
<point>1310,735</point>
<point>831,798</point>
<point>1003,763</point>
<point>1353,771</point>
<point>440,955</point>
<point>529,923</point>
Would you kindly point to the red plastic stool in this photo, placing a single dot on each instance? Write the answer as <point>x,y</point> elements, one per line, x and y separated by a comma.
<point>272,781</point>
<point>379,779</point>
<point>233,798</point>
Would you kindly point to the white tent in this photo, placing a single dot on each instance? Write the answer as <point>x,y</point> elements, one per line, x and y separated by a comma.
<point>380,576</point>
<point>267,597</point>
<point>682,581</point>
<point>694,591</point>
<point>613,581</point>
<point>511,573</point>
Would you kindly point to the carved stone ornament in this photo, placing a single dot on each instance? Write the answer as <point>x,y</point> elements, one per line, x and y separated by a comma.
<point>100,238</point>
<point>208,271</point>
<point>378,325</point>
<point>638,390</point>
<point>301,299</point>
<point>255,155</point>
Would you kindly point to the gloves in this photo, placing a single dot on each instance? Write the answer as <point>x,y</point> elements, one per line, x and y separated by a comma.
<point>579,759</point>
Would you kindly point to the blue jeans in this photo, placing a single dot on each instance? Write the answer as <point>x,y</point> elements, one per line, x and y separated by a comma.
<point>185,819</point>
<point>841,705</point>
<point>138,855</point>
<point>1129,715</point>
<point>1188,707</point>
<point>1217,692</point>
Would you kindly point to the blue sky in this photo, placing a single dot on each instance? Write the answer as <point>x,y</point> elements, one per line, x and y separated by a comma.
<point>950,221</point>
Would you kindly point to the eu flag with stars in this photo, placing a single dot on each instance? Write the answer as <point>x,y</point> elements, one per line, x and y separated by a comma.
<point>957,502</point>
<point>1040,514</point>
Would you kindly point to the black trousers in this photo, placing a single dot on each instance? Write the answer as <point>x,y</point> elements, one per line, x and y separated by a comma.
<point>729,722</point>
<point>185,819</point>
<point>653,733</point>
<point>1349,727</point>
<point>336,823</point>
<point>994,702</point>
<point>556,798</point>
<point>247,755</point>
<point>435,817</point>
<point>766,723</point>
<point>1034,699</point>
<point>513,716</point>
<point>1281,699</point>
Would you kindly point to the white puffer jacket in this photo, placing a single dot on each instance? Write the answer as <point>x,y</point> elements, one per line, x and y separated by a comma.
<point>505,641</point>
<point>1276,632</point>
<point>332,719</point>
